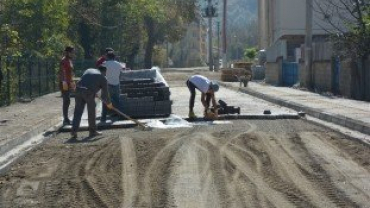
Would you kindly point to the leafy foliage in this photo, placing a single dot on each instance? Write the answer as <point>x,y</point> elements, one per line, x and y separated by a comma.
<point>11,40</point>
<point>44,27</point>
<point>40,25</point>
<point>169,23</point>
<point>250,53</point>
<point>350,22</point>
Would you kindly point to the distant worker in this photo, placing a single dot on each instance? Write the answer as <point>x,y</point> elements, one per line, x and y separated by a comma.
<point>103,58</point>
<point>66,82</point>
<point>206,87</point>
<point>113,76</point>
<point>91,82</point>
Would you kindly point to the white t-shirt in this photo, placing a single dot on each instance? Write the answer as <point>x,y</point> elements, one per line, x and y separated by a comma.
<point>200,82</point>
<point>113,71</point>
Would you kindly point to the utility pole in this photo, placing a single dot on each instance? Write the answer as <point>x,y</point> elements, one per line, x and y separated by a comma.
<point>224,46</point>
<point>308,44</point>
<point>210,49</point>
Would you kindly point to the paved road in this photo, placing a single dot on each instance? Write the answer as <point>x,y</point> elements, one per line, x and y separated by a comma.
<point>241,163</point>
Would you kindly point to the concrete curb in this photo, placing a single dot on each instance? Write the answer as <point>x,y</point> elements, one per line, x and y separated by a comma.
<point>43,133</point>
<point>42,129</point>
<point>35,131</point>
<point>314,112</point>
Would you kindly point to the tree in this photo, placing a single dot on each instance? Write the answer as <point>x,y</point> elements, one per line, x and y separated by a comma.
<point>350,36</point>
<point>250,53</point>
<point>242,37</point>
<point>112,23</point>
<point>40,25</point>
<point>166,19</point>
<point>9,45</point>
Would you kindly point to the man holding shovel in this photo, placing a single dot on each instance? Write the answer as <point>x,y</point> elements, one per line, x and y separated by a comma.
<point>91,82</point>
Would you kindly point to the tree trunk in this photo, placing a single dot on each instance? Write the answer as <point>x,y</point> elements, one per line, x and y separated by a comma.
<point>150,44</point>
<point>131,57</point>
<point>85,39</point>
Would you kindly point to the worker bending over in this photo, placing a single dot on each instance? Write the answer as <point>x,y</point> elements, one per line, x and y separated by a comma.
<point>91,82</point>
<point>207,88</point>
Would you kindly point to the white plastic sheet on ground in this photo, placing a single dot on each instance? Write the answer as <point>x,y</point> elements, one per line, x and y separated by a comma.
<point>171,122</point>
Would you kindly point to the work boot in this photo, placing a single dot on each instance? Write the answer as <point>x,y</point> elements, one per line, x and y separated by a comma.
<point>66,122</point>
<point>192,115</point>
<point>95,133</point>
<point>73,134</point>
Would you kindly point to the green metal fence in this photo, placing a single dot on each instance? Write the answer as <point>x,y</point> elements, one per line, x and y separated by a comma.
<point>26,78</point>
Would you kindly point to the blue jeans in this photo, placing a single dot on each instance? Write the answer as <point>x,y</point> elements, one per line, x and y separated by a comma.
<point>114,92</point>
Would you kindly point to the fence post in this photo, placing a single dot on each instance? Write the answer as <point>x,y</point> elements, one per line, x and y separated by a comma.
<point>1,83</point>
<point>30,77</point>
<point>19,77</point>
<point>47,78</point>
<point>39,75</point>
<point>7,79</point>
<point>54,76</point>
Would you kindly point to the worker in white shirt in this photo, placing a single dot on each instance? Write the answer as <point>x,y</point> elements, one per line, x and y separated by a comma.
<point>113,77</point>
<point>206,87</point>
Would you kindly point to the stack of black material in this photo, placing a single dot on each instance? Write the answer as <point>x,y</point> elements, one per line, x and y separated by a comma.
<point>145,98</point>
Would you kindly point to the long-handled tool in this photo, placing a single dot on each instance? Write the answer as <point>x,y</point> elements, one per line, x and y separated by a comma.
<point>142,126</point>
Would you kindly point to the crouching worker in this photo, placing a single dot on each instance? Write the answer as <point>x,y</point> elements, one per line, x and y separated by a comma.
<point>91,82</point>
<point>207,88</point>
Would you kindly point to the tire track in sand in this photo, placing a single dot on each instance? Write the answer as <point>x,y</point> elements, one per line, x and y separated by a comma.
<point>356,180</point>
<point>154,192</point>
<point>129,173</point>
<point>192,185</point>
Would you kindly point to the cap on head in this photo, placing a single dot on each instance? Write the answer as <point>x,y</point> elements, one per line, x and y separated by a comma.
<point>108,49</point>
<point>69,49</point>
<point>111,55</point>
<point>214,86</point>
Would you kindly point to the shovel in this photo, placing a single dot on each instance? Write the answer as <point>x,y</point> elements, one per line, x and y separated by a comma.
<point>140,125</point>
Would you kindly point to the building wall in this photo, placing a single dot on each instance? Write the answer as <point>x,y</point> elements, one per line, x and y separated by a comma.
<point>302,75</point>
<point>279,49</point>
<point>345,78</point>
<point>288,17</point>
<point>273,72</point>
<point>322,75</point>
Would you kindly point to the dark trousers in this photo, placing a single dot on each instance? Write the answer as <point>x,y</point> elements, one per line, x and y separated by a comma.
<point>84,96</point>
<point>114,92</point>
<point>66,103</point>
<point>192,88</point>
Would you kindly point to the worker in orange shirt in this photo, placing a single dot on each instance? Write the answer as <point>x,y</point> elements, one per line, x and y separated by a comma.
<point>66,81</point>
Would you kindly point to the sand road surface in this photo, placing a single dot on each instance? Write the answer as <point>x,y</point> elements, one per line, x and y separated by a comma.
<point>255,163</point>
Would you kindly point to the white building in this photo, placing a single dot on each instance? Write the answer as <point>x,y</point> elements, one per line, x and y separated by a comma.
<point>282,26</point>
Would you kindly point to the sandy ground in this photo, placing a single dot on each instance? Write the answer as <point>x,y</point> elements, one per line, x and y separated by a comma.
<point>243,163</point>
